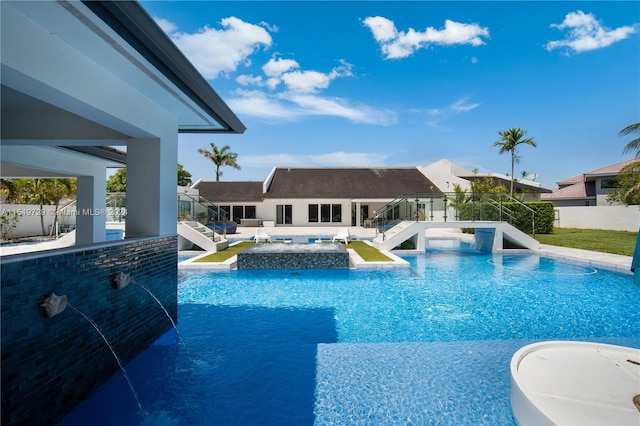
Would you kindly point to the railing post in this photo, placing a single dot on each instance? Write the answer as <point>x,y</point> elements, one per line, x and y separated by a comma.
<point>431,204</point>
<point>473,208</point>
<point>533,223</point>
<point>445,207</point>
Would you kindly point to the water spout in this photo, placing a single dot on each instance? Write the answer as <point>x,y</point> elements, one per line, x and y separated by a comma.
<point>121,280</point>
<point>175,327</point>
<point>124,372</point>
<point>53,304</point>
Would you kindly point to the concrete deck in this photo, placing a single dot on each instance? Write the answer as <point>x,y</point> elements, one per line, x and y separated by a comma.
<point>613,262</point>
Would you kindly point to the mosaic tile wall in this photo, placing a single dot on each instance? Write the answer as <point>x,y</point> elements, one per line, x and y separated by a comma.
<point>49,365</point>
<point>294,256</point>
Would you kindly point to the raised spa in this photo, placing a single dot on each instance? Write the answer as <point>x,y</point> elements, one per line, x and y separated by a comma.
<point>294,256</point>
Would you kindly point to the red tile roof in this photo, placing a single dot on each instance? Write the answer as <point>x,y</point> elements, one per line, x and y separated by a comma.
<point>612,169</point>
<point>575,191</point>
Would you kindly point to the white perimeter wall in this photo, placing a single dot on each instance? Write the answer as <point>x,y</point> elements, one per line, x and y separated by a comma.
<point>616,218</point>
<point>29,221</point>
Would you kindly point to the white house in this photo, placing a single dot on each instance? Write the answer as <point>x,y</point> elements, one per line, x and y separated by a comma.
<point>341,196</point>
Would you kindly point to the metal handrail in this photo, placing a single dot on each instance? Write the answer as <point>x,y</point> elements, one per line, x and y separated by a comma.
<point>380,215</point>
<point>214,211</point>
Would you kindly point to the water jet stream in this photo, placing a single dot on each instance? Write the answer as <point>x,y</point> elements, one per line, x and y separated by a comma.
<point>175,327</point>
<point>135,395</point>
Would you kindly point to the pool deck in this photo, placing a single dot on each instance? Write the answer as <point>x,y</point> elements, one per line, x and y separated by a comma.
<point>600,260</point>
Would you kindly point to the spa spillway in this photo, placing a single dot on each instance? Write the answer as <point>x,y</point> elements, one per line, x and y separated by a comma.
<point>560,382</point>
<point>294,256</point>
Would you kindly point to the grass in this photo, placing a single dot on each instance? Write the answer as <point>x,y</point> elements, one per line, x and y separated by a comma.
<point>222,255</point>
<point>367,252</point>
<point>615,242</point>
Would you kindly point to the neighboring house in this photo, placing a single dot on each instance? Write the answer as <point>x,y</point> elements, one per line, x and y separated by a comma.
<point>445,174</point>
<point>588,189</point>
<point>77,76</point>
<point>324,196</point>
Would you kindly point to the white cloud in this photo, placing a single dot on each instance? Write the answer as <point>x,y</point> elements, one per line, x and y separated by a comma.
<point>331,159</point>
<point>585,32</point>
<point>259,104</point>
<point>278,66</point>
<point>382,28</point>
<point>317,105</point>
<point>285,92</point>
<point>400,44</point>
<point>439,115</point>
<point>247,80</point>
<point>462,106</point>
<point>215,52</point>
<point>289,105</point>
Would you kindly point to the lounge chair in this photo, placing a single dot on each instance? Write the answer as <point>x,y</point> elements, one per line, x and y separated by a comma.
<point>342,235</point>
<point>261,234</point>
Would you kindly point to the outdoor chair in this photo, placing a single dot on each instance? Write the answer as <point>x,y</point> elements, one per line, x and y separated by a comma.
<point>342,235</point>
<point>261,234</point>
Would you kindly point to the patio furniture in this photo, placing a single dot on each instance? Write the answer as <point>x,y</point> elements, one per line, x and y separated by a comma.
<point>342,235</point>
<point>261,234</point>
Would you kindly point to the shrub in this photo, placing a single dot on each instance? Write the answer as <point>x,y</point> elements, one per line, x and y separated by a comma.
<point>544,215</point>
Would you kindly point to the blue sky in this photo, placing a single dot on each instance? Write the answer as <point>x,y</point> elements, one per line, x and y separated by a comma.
<point>358,84</point>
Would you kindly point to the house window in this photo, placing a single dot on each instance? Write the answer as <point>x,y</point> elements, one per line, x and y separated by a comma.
<point>226,213</point>
<point>325,212</point>
<point>284,213</point>
<point>313,212</point>
<point>238,213</point>
<point>249,212</point>
<point>336,213</point>
<point>608,184</point>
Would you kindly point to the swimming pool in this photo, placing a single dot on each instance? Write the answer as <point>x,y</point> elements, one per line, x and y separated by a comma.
<point>426,345</point>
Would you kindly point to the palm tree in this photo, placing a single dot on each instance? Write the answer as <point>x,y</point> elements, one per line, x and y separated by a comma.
<point>633,145</point>
<point>222,157</point>
<point>510,139</point>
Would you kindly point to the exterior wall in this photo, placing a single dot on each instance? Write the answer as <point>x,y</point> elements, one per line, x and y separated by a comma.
<point>601,194</point>
<point>29,221</point>
<point>574,203</point>
<point>49,365</point>
<point>616,218</point>
<point>300,210</point>
<point>432,210</point>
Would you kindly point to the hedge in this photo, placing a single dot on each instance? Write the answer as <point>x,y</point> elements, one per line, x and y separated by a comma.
<point>544,214</point>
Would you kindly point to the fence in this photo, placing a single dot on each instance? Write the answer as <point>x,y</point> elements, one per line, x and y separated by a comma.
<point>615,218</point>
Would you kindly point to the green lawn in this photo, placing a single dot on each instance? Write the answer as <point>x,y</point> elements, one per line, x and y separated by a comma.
<point>367,252</point>
<point>616,242</point>
<point>222,255</point>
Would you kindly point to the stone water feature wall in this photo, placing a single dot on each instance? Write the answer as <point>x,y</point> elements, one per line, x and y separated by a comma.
<point>49,365</point>
<point>294,256</point>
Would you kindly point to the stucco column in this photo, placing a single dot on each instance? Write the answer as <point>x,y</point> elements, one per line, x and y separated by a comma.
<point>152,182</point>
<point>358,214</point>
<point>90,210</point>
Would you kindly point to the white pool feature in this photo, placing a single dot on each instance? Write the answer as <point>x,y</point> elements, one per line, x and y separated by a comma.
<point>566,382</point>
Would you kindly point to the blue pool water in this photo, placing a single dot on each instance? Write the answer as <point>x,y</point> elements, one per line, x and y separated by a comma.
<point>425,345</point>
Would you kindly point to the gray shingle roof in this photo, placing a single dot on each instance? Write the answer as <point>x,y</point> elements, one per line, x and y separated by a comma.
<point>231,191</point>
<point>375,182</point>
